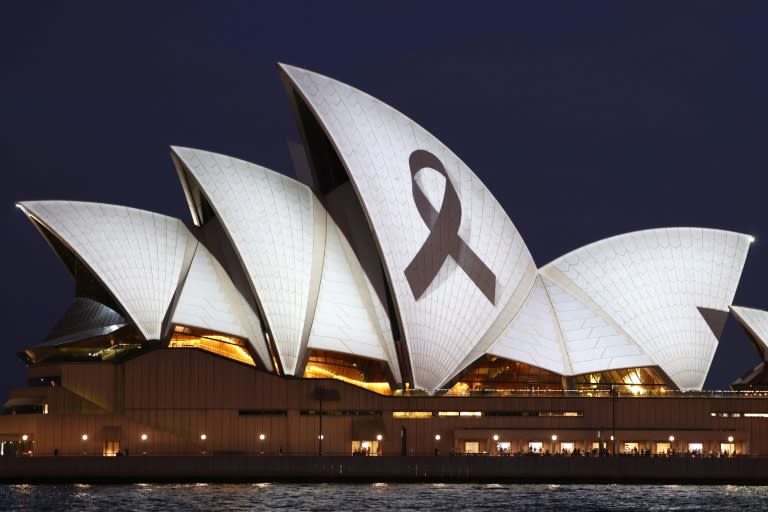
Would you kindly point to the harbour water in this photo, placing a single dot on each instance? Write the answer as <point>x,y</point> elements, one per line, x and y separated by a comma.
<point>379,496</point>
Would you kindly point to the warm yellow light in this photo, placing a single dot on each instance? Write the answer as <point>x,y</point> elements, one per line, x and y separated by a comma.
<point>495,437</point>
<point>262,437</point>
<point>459,389</point>
<point>225,346</point>
<point>143,437</point>
<point>412,414</point>
<point>313,371</point>
<point>24,437</point>
<point>633,378</point>
<point>671,439</point>
<point>379,437</point>
<point>730,439</point>
<point>437,437</point>
<point>203,437</point>
<point>84,437</point>
<point>554,437</point>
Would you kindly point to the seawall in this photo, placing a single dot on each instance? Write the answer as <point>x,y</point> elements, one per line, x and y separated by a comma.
<point>243,468</point>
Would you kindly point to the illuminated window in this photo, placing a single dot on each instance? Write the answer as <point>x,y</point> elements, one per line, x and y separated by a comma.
<point>413,415</point>
<point>632,381</point>
<point>366,373</point>
<point>219,344</point>
<point>115,346</point>
<point>471,447</point>
<point>631,447</point>
<point>492,373</point>
<point>571,414</point>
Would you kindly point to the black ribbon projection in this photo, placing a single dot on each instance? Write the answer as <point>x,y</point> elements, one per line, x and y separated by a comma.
<point>443,239</point>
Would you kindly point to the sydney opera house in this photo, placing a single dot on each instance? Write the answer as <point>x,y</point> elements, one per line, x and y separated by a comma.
<point>386,306</point>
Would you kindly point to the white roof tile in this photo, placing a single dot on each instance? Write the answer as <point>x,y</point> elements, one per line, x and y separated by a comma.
<point>139,256</point>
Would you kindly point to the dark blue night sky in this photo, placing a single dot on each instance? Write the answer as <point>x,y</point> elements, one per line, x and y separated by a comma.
<point>585,119</point>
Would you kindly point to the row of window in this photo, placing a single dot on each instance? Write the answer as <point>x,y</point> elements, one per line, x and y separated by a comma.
<point>410,414</point>
<point>739,414</point>
<point>477,414</point>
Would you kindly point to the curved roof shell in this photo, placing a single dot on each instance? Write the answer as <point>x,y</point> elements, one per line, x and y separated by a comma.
<point>310,287</point>
<point>350,318</point>
<point>84,318</point>
<point>139,256</point>
<point>755,321</point>
<point>457,265</point>
<point>650,284</point>
<point>277,228</point>
<point>209,300</point>
<point>462,280</point>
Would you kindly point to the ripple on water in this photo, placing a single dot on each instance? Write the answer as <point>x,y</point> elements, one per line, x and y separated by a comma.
<point>379,496</point>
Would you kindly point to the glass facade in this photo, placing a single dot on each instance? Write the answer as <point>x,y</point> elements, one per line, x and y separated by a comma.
<point>365,373</point>
<point>230,347</point>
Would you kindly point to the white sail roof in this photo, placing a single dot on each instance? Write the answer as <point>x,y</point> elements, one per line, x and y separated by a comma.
<point>755,321</point>
<point>651,284</point>
<point>310,286</point>
<point>458,268</point>
<point>593,343</point>
<point>556,331</point>
<point>349,317</point>
<point>277,228</point>
<point>534,336</point>
<point>139,256</point>
<point>209,300</point>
